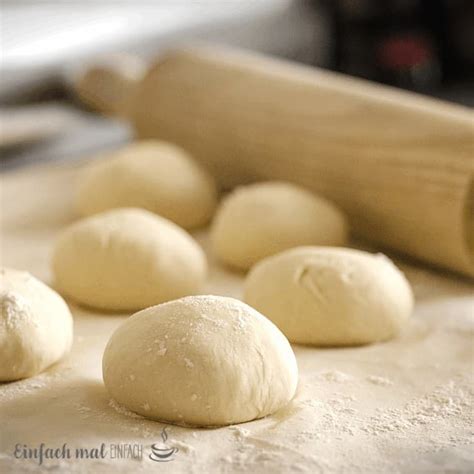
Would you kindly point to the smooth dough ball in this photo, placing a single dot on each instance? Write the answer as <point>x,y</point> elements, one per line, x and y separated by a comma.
<point>331,296</point>
<point>200,360</point>
<point>127,259</point>
<point>36,326</point>
<point>152,175</point>
<point>263,219</point>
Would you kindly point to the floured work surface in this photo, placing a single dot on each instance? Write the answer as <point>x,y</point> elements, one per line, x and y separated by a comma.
<point>400,406</point>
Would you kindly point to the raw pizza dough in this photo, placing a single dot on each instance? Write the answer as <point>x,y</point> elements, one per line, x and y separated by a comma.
<point>200,360</point>
<point>152,175</point>
<point>404,406</point>
<point>262,219</point>
<point>36,326</point>
<point>331,296</point>
<point>127,259</point>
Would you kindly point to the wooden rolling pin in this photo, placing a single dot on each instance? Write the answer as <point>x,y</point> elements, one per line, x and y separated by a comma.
<point>399,164</point>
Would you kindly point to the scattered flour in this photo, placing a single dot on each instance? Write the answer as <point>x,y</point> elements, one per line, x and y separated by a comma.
<point>182,446</point>
<point>445,401</point>
<point>376,380</point>
<point>336,376</point>
<point>161,352</point>
<point>240,433</point>
<point>122,410</point>
<point>15,309</point>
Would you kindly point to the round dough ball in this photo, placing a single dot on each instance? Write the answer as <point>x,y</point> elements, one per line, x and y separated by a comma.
<point>127,259</point>
<point>35,326</point>
<point>200,360</point>
<point>331,296</point>
<point>152,175</point>
<point>263,219</point>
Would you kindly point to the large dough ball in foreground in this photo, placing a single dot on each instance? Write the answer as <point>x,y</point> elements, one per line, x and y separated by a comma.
<point>263,219</point>
<point>200,360</point>
<point>127,259</point>
<point>331,296</point>
<point>153,175</point>
<point>35,326</point>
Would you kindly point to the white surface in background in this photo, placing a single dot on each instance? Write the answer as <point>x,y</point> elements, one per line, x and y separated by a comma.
<point>42,34</point>
<point>42,40</point>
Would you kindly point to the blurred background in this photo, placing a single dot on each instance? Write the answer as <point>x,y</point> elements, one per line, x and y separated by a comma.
<point>422,45</point>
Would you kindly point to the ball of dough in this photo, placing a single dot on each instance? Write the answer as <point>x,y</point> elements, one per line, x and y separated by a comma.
<point>331,296</point>
<point>35,326</point>
<point>200,360</point>
<point>152,175</point>
<point>263,219</point>
<point>127,259</point>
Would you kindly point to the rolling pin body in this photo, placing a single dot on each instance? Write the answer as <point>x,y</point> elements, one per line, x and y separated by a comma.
<point>400,165</point>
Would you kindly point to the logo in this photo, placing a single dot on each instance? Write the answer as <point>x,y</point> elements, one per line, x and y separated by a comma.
<point>160,452</point>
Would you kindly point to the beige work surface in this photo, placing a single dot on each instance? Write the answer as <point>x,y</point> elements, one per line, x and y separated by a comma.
<point>401,406</point>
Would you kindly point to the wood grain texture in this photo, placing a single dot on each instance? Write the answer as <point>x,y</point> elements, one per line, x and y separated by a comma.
<point>400,165</point>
